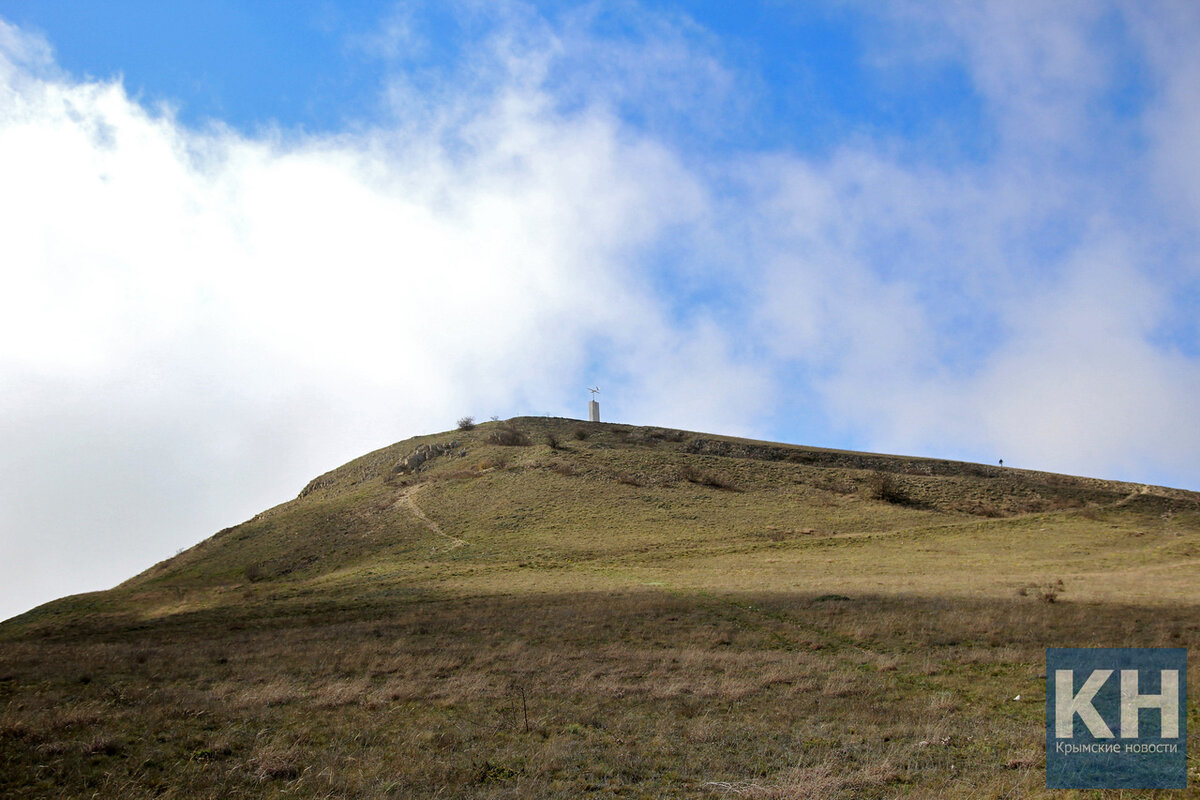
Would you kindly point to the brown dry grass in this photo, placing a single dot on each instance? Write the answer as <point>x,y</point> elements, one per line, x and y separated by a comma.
<point>647,693</point>
<point>613,624</point>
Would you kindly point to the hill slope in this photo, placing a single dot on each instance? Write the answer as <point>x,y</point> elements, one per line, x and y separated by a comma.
<point>555,607</point>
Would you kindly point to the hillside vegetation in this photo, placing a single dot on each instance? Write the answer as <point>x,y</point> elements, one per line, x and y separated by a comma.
<point>550,608</point>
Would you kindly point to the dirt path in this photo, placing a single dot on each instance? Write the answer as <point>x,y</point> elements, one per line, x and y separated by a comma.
<point>407,498</point>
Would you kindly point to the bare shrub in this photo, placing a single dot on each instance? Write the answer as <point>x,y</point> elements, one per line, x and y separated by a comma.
<point>1024,759</point>
<point>274,764</point>
<point>717,482</point>
<point>629,479</point>
<point>552,441</point>
<point>1047,593</point>
<point>691,474</point>
<point>581,433</point>
<point>101,745</point>
<point>773,534</point>
<point>466,423</point>
<point>454,475</point>
<point>509,436</point>
<point>982,508</point>
<point>883,486</point>
<point>777,534</point>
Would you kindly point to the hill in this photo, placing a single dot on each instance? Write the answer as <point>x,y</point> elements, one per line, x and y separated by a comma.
<point>553,608</point>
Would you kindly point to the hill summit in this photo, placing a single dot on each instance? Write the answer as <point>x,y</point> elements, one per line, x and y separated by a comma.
<point>553,607</point>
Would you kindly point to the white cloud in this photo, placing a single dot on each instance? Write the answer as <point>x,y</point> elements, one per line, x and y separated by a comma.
<point>200,321</point>
<point>196,322</point>
<point>1005,307</point>
<point>1166,32</point>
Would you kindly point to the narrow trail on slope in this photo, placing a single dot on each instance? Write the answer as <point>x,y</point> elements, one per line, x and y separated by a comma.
<point>408,499</point>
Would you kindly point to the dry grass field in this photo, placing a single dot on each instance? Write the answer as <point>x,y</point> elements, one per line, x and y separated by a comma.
<point>547,608</point>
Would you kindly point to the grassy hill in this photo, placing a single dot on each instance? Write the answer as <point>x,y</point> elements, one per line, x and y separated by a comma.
<point>544,607</point>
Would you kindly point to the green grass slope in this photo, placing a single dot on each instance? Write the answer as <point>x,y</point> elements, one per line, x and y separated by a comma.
<point>544,607</point>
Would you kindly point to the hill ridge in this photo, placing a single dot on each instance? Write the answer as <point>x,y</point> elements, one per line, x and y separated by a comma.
<point>633,610</point>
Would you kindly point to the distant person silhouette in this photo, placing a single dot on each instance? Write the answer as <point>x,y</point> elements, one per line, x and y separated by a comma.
<point>1002,462</point>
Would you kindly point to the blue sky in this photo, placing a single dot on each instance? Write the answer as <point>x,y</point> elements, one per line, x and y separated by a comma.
<point>245,242</point>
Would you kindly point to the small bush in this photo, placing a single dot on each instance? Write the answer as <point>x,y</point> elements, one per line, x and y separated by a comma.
<point>100,745</point>
<point>691,474</point>
<point>717,482</point>
<point>466,423</point>
<point>580,433</point>
<point>551,441</point>
<point>664,435</point>
<point>508,436</point>
<point>884,487</point>
<point>254,572</point>
<point>629,479</point>
<point>1047,593</point>
<point>456,475</point>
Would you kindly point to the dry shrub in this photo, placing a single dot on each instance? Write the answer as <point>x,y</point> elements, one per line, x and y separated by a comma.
<point>466,423</point>
<point>777,534</point>
<point>883,486</point>
<point>981,508</point>
<point>494,462</point>
<point>101,745</point>
<point>1047,593</point>
<point>773,534</point>
<point>1024,759</point>
<point>580,433</point>
<point>15,729</point>
<point>629,479</point>
<point>455,475</point>
<point>693,475</point>
<point>509,436</point>
<point>274,764</point>
<point>54,749</point>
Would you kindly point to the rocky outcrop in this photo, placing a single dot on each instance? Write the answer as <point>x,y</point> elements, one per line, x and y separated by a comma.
<point>418,458</point>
